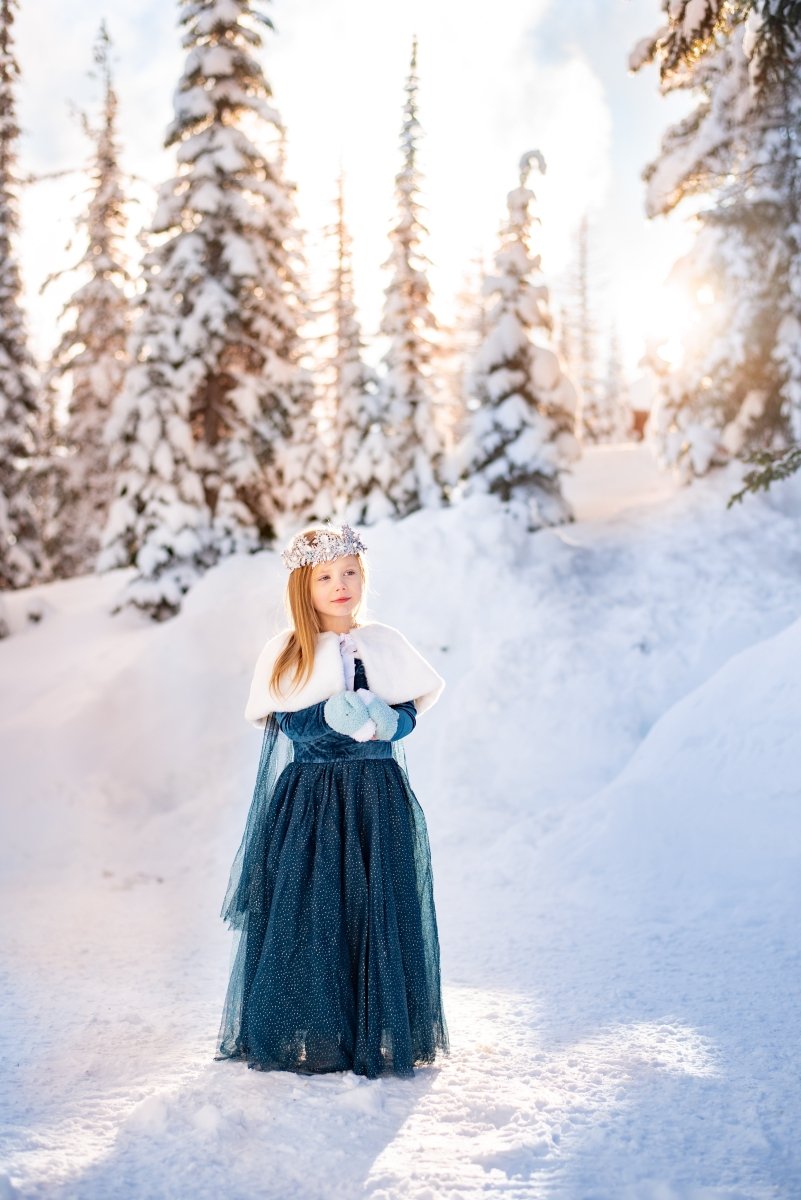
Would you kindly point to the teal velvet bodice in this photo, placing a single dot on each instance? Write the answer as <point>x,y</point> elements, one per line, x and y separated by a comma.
<point>315,741</point>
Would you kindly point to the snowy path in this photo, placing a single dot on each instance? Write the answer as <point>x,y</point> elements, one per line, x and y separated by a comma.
<point>609,479</point>
<point>615,856</point>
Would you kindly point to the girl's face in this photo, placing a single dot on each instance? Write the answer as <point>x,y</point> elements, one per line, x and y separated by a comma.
<point>336,589</point>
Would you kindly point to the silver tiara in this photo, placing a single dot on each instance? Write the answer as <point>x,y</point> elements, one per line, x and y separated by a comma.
<point>327,544</point>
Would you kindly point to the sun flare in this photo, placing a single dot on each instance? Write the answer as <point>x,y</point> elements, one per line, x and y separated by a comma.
<point>674,316</point>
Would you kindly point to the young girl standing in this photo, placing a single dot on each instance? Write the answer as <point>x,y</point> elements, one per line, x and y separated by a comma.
<point>337,963</point>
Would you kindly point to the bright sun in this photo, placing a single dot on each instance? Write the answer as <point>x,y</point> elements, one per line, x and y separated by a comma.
<point>673,317</point>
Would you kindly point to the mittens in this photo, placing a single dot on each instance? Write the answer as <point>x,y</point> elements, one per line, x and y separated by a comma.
<point>386,718</point>
<point>347,713</point>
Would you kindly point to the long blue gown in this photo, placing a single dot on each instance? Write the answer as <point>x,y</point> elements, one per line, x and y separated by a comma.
<point>337,965</point>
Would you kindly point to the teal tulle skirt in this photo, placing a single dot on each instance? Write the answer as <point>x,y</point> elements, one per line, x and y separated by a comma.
<point>336,964</point>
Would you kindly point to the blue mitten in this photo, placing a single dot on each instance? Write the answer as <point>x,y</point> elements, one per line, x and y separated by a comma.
<point>386,718</point>
<point>347,713</point>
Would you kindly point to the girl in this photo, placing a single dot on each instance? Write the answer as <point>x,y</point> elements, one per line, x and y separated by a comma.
<point>336,966</point>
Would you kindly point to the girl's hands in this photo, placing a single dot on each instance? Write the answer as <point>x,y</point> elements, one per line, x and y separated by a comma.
<point>385,717</point>
<point>347,713</point>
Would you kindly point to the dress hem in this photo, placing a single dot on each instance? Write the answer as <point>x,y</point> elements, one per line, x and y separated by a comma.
<point>300,1069</point>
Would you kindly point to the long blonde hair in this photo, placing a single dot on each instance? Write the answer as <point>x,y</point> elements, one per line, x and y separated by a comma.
<point>298,654</point>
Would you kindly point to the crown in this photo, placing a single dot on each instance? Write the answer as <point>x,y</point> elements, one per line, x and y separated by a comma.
<point>328,543</point>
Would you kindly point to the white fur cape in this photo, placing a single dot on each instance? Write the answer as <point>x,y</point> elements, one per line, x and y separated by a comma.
<point>395,671</point>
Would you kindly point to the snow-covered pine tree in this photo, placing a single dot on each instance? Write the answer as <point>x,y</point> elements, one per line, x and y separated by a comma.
<point>409,403</point>
<point>521,435</point>
<point>225,250</point>
<point>358,455</point>
<point>733,392</point>
<point>307,486</point>
<point>773,35</point>
<point>304,484</point>
<point>91,354</point>
<point>159,521</point>
<point>230,261</point>
<point>693,29</point>
<point>459,343</point>
<point>774,42</point>
<point>592,421</point>
<point>616,404</point>
<point>787,350</point>
<point>565,340</point>
<point>22,557</point>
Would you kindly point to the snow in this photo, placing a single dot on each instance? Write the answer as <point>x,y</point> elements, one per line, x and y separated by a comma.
<point>695,15</point>
<point>610,477</point>
<point>611,784</point>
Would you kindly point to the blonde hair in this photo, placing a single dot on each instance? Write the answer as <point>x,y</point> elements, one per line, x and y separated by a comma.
<point>298,654</point>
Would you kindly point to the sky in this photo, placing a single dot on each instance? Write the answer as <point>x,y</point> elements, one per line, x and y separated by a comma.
<point>494,83</point>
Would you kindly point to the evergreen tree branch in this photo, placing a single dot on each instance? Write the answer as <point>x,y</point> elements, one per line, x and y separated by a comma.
<point>769,466</point>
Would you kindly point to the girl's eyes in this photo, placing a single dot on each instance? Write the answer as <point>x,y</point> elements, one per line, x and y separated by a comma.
<point>350,571</point>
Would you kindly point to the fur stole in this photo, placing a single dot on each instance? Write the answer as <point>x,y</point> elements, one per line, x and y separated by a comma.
<point>395,671</point>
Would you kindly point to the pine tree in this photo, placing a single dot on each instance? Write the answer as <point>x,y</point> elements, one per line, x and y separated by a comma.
<point>733,392</point>
<point>591,418</point>
<point>303,480</point>
<point>565,340</point>
<point>159,521</point>
<point>21,554</point>
<point>787,351</point>
<point>461,342</point>
<point>359,460</point>
<point>522,431</point>
<point>408,399</point>
<point>225,315</point>
<point>694,29</point>
<point>616,407</point>
<point>775,70</point>
<point>91,354</point>
<point>307,488</point>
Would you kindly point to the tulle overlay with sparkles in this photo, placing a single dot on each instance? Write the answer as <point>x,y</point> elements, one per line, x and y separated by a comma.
<point>336,961</point>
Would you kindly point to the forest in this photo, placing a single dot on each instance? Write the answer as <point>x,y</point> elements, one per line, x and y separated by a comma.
<point>190,409</point>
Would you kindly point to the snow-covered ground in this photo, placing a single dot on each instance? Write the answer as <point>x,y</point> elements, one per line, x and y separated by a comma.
<point>611,779</point>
